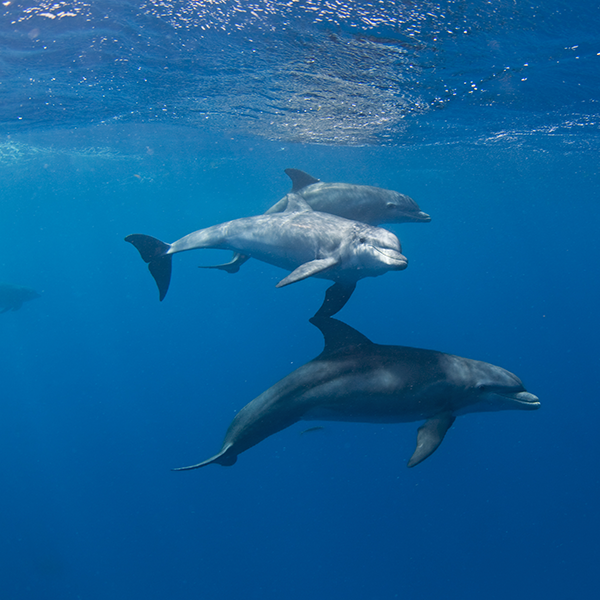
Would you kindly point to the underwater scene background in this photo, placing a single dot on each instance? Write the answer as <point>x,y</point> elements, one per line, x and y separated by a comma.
<point>167,117</point>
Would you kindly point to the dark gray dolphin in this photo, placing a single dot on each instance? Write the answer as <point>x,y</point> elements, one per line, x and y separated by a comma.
<point>364,203</point>
<point>354,379</point>
<point>12,296</point>
<point>307,243</point>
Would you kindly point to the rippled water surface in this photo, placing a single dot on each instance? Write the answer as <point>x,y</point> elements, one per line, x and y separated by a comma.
<point>121,117</point>
<point>308,71</point>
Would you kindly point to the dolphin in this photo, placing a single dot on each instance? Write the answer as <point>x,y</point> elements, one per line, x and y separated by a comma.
<point>364,203</point>
<point>305,242</point>
<point>354,379</point>
<point>12,296</point>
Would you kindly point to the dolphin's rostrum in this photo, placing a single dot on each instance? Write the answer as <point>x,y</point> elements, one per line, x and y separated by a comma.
<point>354,379</point>
<point>307,243</point>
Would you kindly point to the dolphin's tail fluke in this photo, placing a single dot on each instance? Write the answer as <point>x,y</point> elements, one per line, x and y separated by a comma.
<point>224,458</point>
<point>335,299</point>
<point>154,252</point>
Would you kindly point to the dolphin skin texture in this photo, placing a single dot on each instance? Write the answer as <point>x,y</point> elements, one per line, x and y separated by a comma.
<point>300,240</point>
<point>364,203</point>
<point>354,379</point>
<point>12,296</point>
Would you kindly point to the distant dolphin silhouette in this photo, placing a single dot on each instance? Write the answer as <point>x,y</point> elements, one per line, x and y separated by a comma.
<point>13,296</point>
<point>307,243</point>
<point>354,379</point>
<point>364,203</point>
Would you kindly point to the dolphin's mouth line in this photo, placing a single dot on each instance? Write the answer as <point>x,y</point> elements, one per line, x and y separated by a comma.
<point>391,254</point>
<point>524,398</point>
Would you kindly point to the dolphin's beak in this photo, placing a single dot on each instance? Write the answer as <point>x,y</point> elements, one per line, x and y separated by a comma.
<point>395,259</point>
<point>423,217</point>
<point>526,400</point>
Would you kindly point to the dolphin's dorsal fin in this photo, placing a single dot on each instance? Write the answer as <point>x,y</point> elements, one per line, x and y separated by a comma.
<point>338,335</point>
<point>430,436</point>
<point>296,203</point>
<point>300,179</point>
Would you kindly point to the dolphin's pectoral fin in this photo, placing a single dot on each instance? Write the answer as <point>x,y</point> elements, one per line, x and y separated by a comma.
<point>224,458</point>
<point>154,252</point>
<point>233,266</point>
<point>300,179</point>
<point>335,299</point>
<point>430,436</point>
<point>308,269</point>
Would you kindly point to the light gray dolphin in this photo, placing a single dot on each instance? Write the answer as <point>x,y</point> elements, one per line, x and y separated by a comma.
<point>364,203</point>
<point>354,379</point>
<point>305,242</point>
<point>12,296</point>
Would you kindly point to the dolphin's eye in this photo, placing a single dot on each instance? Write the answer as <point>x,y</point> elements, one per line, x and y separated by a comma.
<point>362,240</point>
<point>390,206</point>
<point>482,387</point>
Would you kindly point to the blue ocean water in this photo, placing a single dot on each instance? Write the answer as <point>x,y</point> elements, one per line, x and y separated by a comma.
<point>166,117</point>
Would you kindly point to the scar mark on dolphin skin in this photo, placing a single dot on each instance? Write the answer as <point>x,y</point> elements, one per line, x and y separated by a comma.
<point>313,429</point>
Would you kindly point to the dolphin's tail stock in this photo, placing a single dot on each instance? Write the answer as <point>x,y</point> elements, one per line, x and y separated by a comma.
<point>336,297</point>
<point>223,458</point>
<point>154,252</point>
